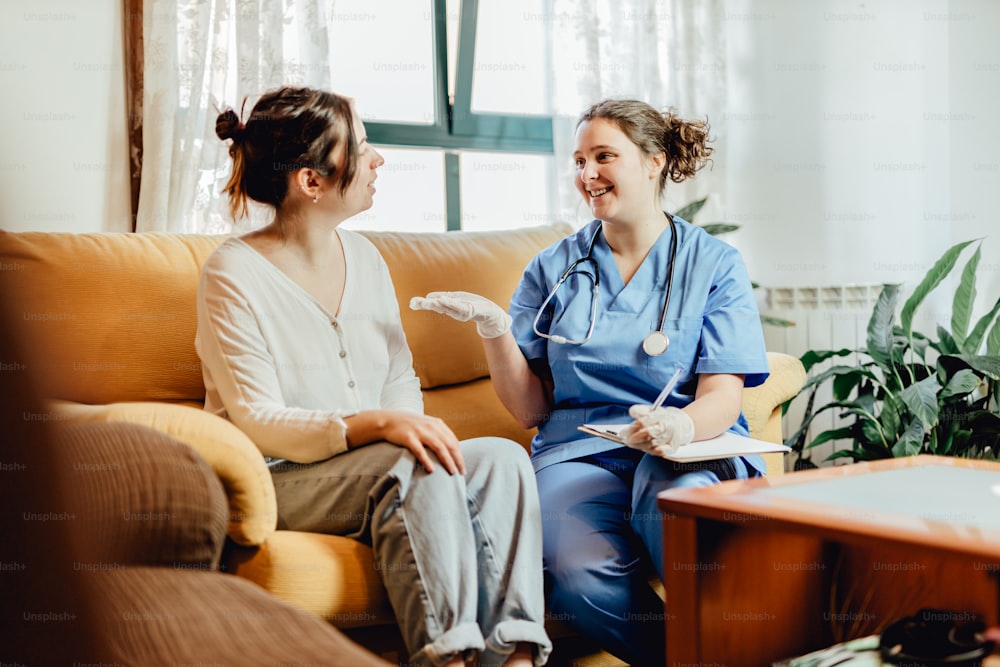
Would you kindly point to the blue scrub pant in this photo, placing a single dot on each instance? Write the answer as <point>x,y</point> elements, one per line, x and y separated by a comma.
<point>600,530</point>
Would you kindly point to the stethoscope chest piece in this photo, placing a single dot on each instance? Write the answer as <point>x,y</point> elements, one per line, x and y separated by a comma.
<point>655,344</point>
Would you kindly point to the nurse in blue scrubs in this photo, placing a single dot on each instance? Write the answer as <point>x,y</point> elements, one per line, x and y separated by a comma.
<point>669,296</point>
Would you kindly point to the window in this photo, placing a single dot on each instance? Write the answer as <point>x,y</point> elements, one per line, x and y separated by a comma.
<point>409,193</point>
<point>457,105</point>
<point>382,53</point>
<point>505,190</point>
<point>511,61</point>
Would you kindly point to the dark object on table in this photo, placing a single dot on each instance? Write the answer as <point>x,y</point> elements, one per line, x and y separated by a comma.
<point>934,637</point>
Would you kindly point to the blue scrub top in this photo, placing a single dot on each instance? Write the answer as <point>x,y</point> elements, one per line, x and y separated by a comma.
<point>712,322</point>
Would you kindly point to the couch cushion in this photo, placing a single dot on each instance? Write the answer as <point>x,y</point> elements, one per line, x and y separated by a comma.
<point>473,409</point>
<point>327,575</point>
<point>253,510</point>
<point>487,263</point>
<point>155,616</point>
<point>145,498</point>
<point>114,313</point>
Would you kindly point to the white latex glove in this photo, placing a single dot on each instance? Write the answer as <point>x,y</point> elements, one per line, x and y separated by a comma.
<point>491,320</point>
<point>658,432</point>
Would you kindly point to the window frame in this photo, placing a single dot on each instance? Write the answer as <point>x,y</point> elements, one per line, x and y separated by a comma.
<point>456,127</point>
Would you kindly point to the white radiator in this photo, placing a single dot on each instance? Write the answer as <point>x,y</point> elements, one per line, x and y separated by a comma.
<point>826,318</point>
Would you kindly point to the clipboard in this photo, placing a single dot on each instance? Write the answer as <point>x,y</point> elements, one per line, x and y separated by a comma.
<point>720,447</point>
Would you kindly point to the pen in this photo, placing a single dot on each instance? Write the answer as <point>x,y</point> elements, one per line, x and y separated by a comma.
<point>671,383</point>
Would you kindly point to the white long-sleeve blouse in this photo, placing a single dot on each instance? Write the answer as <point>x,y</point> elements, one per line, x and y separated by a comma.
<point>283,368</point>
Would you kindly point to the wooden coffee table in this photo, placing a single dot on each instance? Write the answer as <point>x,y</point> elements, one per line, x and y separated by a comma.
<point>760,570</point>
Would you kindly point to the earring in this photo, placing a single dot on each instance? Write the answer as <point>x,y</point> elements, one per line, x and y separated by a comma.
<point>315,199</point>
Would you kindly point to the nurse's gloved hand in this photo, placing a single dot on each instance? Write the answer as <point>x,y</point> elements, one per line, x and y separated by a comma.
<point>491,320</point>
<point>658,432</point>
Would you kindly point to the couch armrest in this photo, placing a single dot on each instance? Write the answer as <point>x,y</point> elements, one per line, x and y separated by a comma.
<point>142,497</point>
<point>762,404</point>
<point>253,510</point>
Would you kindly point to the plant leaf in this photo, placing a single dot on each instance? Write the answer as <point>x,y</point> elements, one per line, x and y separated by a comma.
<point>844,383</point>
<point>846,432</point>
<point>798,437</point>
<point>946,344</point>
<point>843,454</point>
<point>921,399</point>
<point>965,297</point>
<point>688,211</point>
<point>862,413</point>
<point>975,338</point>
<point>960,384</point>
<point>797,440</point>
<point>993,340</point>
<point>982,422</point>
<point>917,343</point>
<point>987,365</point>
<point>834,371</point>
<point>880,327</point>
<point>871,433</point>
<point>912,440</point>
<point>813,357</point>
<point>984,431</point>
<point>941,268</point>
<point>863,451</point>
<point>959,442</point>
<point>716,228</point>
<point>866,398</point>
<point>777,321</point>
<point>892,409</point>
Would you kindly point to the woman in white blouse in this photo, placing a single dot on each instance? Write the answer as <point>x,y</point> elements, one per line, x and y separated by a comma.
<point>302,348</point>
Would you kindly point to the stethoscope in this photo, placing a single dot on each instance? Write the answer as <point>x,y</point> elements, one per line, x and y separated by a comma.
<point>656,342</point>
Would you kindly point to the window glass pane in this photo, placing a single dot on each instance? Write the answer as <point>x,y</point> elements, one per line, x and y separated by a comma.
<point>505,190</point>
<point>454,13</point>
<point>409,193</point>
<point>381,54</point>
<point>510,64</point>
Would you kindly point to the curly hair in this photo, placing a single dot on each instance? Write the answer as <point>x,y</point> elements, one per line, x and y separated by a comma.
<point>684,142</point>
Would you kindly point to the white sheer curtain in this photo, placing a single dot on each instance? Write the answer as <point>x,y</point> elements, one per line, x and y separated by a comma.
<point>202,55</point>
<point>667,53</point>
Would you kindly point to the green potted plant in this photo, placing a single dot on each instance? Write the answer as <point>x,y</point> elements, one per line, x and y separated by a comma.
<point>913,393</point>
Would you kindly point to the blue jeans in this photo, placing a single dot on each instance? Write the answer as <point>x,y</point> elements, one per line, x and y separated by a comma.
<point>601,531</point>
<point>460,557</point>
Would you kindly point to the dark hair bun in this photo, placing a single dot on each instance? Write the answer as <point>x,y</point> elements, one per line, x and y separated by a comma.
<point>228,125</point>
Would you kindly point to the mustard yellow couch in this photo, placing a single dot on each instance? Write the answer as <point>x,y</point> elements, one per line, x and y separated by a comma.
<point>115,314</point>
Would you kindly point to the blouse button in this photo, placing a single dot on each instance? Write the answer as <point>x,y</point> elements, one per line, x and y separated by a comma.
<point>335,325</point>
<point>350,384</point>
<point>343,353</point>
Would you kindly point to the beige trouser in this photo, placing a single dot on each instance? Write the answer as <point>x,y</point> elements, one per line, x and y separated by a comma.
<point>460,556</point>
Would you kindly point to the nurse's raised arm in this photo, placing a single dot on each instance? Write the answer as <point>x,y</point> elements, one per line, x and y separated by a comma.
<point>522,392</point>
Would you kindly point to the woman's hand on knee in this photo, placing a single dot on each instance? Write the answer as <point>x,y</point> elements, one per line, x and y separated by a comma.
<point>418,433</point>
<point>421,433</point>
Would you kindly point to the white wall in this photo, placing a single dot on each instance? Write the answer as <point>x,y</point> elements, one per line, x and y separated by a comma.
<point>63,148</point>
<point>974,92</point>
<point>863,138</point>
